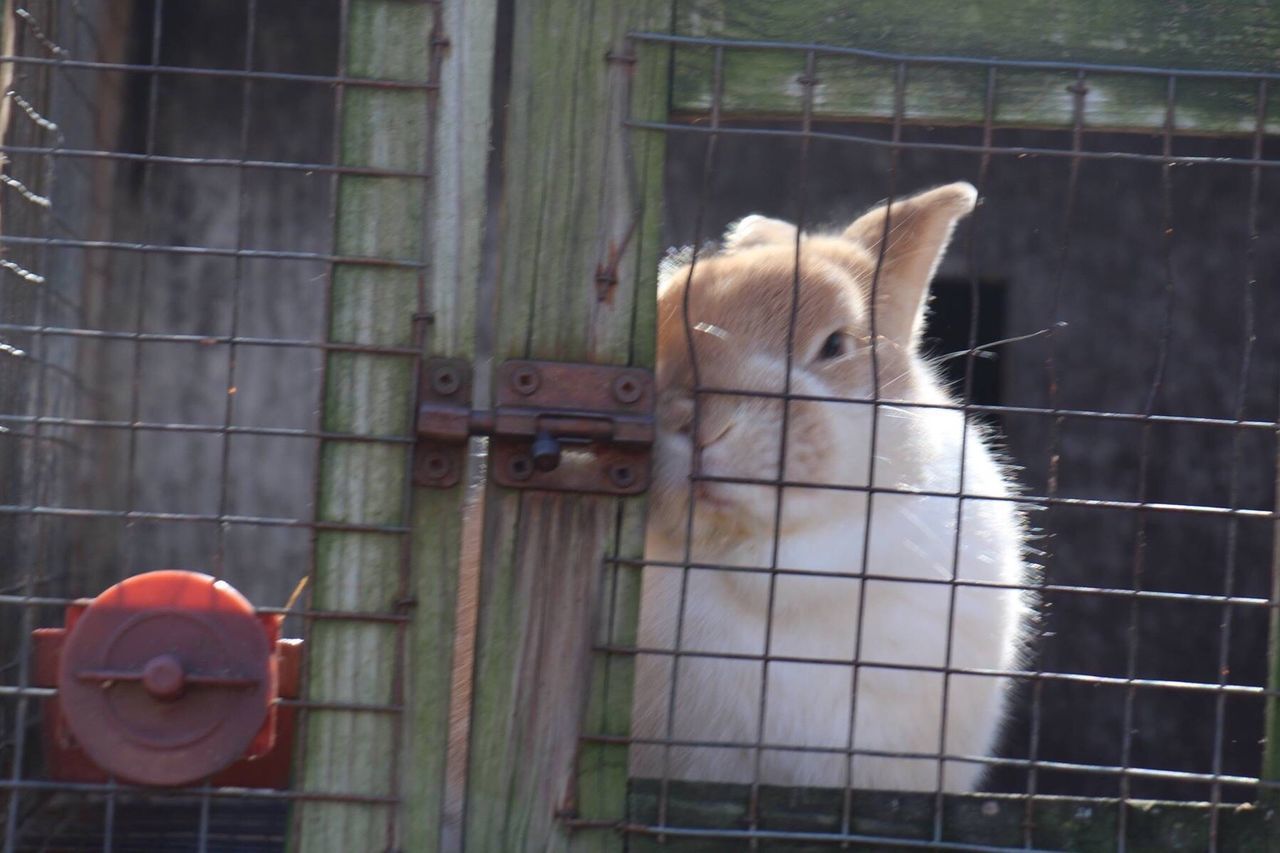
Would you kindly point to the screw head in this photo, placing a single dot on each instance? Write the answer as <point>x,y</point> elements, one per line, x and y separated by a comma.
<point>524,380</point>
<point>163,677</point>
<point>520,467</point>
<point>626,389</point>
<point>622,475</point>
<point>437,466</point>
<point>444,380</point>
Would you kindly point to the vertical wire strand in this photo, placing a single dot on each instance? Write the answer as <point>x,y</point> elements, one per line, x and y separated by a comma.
<point>237,282</point>
<point>228,411</point>
<point>966,400</point>
<point>1144,461</point>
<point>140,288</point>
<point>335,156</point>
<point>808,82</point>
<point>153,98</point>
<point>24,581</point>
<point>612,567</point>
<point>405,600</point>
<point>708,169</point>
<point>1079,90</point>
<point>899,109</point>
<point>1267,790</point>
<point>1249,338</point>
<point>39,487</point>
<point>202,819</point>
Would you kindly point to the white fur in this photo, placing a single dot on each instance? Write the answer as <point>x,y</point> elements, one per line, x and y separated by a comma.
<point>816,617</point>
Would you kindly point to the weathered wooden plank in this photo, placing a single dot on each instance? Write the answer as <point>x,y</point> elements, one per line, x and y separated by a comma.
<point>814,817</point>
<point>461,121</point>
<point>602,770</point>
<point>350,661</point>
<point>1217,35</point>
<point>577,259</point>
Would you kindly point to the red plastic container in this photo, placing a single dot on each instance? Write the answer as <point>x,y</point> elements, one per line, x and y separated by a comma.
<point>168,678</point>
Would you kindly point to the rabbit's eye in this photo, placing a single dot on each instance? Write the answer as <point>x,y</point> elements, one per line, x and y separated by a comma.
<point>832,347</point>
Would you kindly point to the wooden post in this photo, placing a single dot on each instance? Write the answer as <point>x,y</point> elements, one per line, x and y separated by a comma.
<point>1216,34</point>
<point>464,50</point>
<point>577,257</point>
<point>354,752</point>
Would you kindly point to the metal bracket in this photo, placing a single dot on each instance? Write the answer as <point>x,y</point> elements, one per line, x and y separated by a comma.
<point>555,426</point>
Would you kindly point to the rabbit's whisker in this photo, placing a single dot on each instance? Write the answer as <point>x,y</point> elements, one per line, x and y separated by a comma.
<point>711,329</point>
<point>983,350</point>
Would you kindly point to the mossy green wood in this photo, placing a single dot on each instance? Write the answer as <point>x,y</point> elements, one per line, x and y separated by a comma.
<point>348,752</point>
<point>1217,34</point>
<point>577,261</point>
<point>460,138</point>
<point>998,821</point>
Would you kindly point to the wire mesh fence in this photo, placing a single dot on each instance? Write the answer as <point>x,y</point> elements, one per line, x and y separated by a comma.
<point>165,309</point>
<point>181,282</point>
<point>1137,409</point>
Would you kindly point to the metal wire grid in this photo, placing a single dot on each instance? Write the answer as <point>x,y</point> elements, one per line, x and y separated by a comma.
<point>35,376</point>
<point>713,126</point>
<point>50,419</point>
<point>55,322</point>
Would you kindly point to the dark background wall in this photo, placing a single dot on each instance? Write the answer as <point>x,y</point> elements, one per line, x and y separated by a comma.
<point>222,207</point>
<point>129,260</point>
<point>1129,296</point>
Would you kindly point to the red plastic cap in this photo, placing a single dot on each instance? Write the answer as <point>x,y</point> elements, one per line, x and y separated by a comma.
<point>166,677</point>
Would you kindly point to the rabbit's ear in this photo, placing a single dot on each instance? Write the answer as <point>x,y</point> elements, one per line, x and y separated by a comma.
<point>757,230</point>
<point>919,230</point>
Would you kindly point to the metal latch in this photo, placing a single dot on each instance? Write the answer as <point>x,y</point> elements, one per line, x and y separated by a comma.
<point>554,425</point>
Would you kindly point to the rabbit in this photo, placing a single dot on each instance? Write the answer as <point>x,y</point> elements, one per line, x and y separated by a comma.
<point>739,303</point>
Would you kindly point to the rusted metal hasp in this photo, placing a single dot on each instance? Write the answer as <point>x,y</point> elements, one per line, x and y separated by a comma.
<point>555,426</point>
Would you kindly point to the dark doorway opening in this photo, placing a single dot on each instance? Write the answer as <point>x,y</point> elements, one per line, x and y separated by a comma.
<point>946,336</point>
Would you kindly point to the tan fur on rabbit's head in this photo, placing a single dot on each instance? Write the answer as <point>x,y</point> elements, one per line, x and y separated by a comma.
<point>739,305</point>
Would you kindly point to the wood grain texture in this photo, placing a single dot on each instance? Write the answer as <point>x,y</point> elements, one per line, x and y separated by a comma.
<point>1215,35</point>
<point>577,262</point>
<point>460,138</point>
<point>352,752</point>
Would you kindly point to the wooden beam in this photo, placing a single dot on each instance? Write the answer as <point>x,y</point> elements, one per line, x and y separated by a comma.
<point>577,260</point>
<point>814,820</point>
<point>443,573</point>
<point>352,752</point>
<point>1214,35</point>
